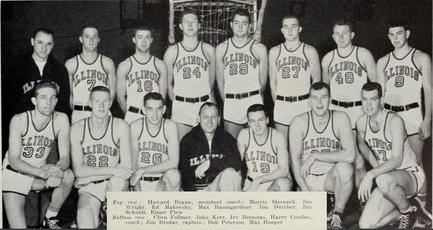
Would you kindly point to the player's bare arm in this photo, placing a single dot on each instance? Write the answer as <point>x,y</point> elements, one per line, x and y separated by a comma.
<point>280,146</point>
<point>380,72</point>
<point>344,132</point>
<point>296,135</point>
<point>425,68</point>
<point>122,134</point>
<point>219,54</point>
<point>109,67</point>
<point>242,141</point>
<point>162,81</point>
<point>71,66</point>
<point>363,147</point>
<point>260,52</point>
<point>169,59</point>
<point>313,62</point>
<point>61,124</point>
<point>122,72</point>
<point>273,54</point>
<point>17,128</point>
<point>209,53</point>
<point>326,61</point>
<point>368,63</point>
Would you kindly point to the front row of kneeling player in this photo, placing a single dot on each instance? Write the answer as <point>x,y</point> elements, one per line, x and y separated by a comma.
<point>108,155</point>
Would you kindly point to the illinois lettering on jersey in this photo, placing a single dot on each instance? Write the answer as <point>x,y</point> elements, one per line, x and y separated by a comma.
<point>152,149</point>
<point>241,68</point>
<point>100,152</point>
<point>141,79</point>
<point>347,76</point>
<point>382,147</point>
<point>293,71</point>
<point>191,72</point>
<point>261,159</point>
<point>402,75</point>
<point>320,141</point>
<point>87,76</point>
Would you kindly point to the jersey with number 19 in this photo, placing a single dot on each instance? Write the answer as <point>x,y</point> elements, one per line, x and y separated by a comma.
<point>141,79</point>
<point>87,76</point>
<point>100,152</point>
<point>191,72</point>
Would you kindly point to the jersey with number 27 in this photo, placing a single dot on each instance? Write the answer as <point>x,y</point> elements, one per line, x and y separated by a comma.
<point>191,72</point>
<point>347,76</point>
<point>403,80</point>
<point>87,76</point>
<point>141,79</point>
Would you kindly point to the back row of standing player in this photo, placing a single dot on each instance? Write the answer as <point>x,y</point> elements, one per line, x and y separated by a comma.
<point>240,67</point>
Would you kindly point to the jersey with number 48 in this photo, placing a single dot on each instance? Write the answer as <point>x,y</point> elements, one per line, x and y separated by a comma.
<point>191,72</point>
<point>100,152</point>
<point>87,76</point>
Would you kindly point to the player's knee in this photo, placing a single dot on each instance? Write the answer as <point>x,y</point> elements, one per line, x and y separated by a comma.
<point>117,184</point>
<point>229,173</point>
<point>365,223</point>
<point>344,170</point>
<point>385,183</point>
<point>284,184</point>
<point>359,162</point>
<point>172,177</point>
<point>68,178</point>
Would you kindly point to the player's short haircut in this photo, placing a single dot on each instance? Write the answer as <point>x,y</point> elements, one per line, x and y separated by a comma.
<point>190,11</point>
<point>43,30</point>
<point>320,85</point>
<point>100,88</point>
<point>370,86</point>
<point>146,28</point>
<point>46,83</point>
<point>242,12</point>
<point>344,22</point>
<point>209,104</point>
<point>397,23</point>
<point>256,108</point>
<point>153,96</point>
<point>89,26</point>
<point>289,16</point>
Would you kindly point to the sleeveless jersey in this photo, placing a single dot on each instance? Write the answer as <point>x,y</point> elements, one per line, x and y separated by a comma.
<point>347,76</point>
<point>403,80</point>
<point>152,150</point>
<point>100,152</point>
<point>241,68</point>
<point>141,79</point>
<point>87,76</point>
<point>382,147</point>
<point>261,159</point>
<point>320,141</point>
<point>36,144</point>
<point>293,71</point>
<point>191,72</point>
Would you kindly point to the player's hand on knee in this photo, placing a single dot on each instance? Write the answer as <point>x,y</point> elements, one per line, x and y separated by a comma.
<point>364,190</point>
<point>53,182</point>
<point>424,130</point>
<point>122,173</point>
<point>135,177</point>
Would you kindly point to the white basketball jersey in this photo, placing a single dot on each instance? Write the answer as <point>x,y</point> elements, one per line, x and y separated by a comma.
<point>320,141</point>
<point>403,80</point>
<point>100,152</point>
<point>141,79</point>
<point>152,150</point>
<point>261,159</point>
<point>382,148</point>
<point>347,76</point>
<point>36,144</point>
<point>293,71</point>
<point>87,76</point>
<point>241,68</point>
<point>191,72</point>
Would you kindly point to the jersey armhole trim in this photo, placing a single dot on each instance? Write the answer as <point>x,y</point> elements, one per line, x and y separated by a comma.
<point>130,66</point>
<point>329,65</point>
<point>177,54</point>
<point>112,133</point>
<point>367,122</point>
<point>359,62</point>
<point>272,145</point>
<point>278,56</point>
<point>305,54</point>
<point>27,126</point>
<point>163,130</point>
<point>332,125</point>
<point>102,65</point>
<point>225,52</point>
<point>384,128</point>
<point>52,119</point>
<point>308,125</point>
<point>84,129</point>
<point>142,128</point>
<point>251,50</point>
<point>386,64</point>
<point>249,137</point>
<point>202,51</point>
<point>76,67</point>
<point>413,62</point>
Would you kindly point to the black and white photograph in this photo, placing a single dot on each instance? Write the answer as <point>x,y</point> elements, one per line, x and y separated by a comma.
<point>185,96</point>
